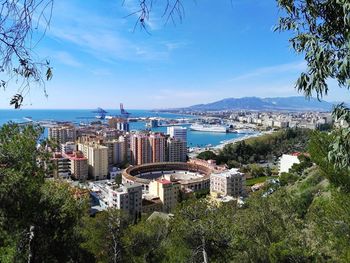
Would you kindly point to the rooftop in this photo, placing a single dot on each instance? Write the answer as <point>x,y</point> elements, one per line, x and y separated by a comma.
<point>229,173</point>
<point>129,185</point>
<point>163,181</point>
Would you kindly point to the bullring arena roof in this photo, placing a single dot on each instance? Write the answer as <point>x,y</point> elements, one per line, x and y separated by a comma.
<point>189,172</point>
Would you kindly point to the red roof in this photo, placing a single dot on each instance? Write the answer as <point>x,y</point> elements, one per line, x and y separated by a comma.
<point>299,153</point>
<point>163,181</point>
<point>74,157</point>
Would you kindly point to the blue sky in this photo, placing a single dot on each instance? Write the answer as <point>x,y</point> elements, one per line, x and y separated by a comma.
<point>221,49</point>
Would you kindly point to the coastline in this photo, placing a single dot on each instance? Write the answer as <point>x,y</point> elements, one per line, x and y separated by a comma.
<point>223,144</point>
<point>248,136</point>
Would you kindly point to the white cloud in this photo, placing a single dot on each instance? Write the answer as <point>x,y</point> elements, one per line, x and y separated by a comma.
<point>99,36</point>
<point>272,70</point>
<point>173,45</point>
<point>66,58</point>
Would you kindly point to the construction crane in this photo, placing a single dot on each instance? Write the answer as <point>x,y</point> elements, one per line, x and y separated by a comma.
<point>123,112</point>
<point>101,113</point>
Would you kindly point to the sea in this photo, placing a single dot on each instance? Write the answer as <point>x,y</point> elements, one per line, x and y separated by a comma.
<point>194,138</point>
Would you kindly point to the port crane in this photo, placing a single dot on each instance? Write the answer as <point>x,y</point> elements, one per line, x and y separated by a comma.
<point>101,113</point>
<point>123,112</point>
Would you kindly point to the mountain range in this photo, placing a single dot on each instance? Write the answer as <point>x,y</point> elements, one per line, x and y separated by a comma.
<point>295,103</point>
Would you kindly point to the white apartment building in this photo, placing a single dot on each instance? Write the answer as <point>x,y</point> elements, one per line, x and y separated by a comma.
<point>227,183</point>
<point>68,147</point>
<point>179,133</point>
<point>287,161</point>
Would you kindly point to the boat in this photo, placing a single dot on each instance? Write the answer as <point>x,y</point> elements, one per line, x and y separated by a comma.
<point>209,128</point>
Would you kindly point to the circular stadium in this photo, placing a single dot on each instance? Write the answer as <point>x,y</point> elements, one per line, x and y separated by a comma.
<point>190,175</point>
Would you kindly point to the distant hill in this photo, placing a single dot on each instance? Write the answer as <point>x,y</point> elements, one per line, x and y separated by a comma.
<point>296,103</point>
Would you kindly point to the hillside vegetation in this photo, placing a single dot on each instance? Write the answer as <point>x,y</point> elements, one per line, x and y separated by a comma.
<point>266,148</point>
<point>306,219</point>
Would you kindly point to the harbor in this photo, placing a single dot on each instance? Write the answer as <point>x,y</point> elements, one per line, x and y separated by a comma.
<point>138,120</point>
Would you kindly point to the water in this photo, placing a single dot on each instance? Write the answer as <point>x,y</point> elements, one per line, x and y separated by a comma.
<point>194,138</point>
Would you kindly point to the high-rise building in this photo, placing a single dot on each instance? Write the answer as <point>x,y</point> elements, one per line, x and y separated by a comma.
<point>97,159</point>
<point>61,166</point>
<point>176,132</point>
<point>167,191</point>
<point>157,146</point>
<point>147,148</point>
<point>110,151</point>
<point>62,133</point>
<point>78,165</point>
<point>140,149</point>
<point>120,151</point>
<point>176,150</point>
<point>126,140</point>
<point>117,151</point>
<point>230,182</point>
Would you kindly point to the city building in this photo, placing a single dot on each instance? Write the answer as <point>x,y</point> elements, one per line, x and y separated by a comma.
<point>176,150</point>
<point>127,197</point>
<point>157,143</point>
<point>120,124</point>
<point>61,166</point>
<point>167,191</point>
<point>287,161</point>
<point>68,147</point>
<point>153,123</point>
<point>178,133</point>
<point>227,183</point>
<point>140,149</point>
<point>115,172</point>
<point>97,156</point>
<point>61,134</point>
<point>78,165</point>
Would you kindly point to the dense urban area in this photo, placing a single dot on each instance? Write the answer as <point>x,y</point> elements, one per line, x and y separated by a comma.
<point>143,195</point>
<point>248,179</point>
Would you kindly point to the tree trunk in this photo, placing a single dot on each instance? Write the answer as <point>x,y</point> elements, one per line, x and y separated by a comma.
<point>31,236</point>
<point>204,252</point>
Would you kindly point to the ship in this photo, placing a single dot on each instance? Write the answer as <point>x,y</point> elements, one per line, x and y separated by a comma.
<point>209,128</point>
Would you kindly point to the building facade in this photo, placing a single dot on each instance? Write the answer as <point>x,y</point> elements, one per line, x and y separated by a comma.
<point>79,167</point>
<point>227,183</point>
<point>167,191</point>
<point>157,148</point>
<point>61,134</point>
<point>179,133</point>
<point>128,198</point>
<point>176,150</point>
<point>97,156</point>
<point>61,166</point>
